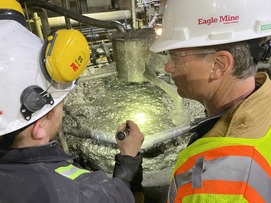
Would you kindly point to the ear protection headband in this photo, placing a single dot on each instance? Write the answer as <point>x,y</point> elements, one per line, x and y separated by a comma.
<point>261,51</point>
<point>64,56</point>
<point>266,50</point>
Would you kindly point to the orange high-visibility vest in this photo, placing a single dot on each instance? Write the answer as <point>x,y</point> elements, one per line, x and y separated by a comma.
<point>223,169</point>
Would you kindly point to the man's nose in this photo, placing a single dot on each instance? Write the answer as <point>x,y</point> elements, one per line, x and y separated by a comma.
<point>169,67</point>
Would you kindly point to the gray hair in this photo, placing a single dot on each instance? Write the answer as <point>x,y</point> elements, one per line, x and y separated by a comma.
<point>244,63</point>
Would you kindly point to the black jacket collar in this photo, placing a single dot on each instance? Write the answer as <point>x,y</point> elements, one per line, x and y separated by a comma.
<point>45,153</point>
<point>199,130</point>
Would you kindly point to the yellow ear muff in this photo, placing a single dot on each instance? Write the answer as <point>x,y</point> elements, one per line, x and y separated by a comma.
<point>66,55</point>
<point>12,10</point>
<point>12,5</point>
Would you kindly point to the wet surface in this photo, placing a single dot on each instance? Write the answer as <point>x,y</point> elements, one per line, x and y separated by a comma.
<point>102,104</point>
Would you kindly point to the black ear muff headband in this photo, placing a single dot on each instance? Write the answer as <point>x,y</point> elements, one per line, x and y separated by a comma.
<point>34,98</point>
<point>266,46</point>
<point>43,54</point>
<point>9,14</point>
<point>261,51</point>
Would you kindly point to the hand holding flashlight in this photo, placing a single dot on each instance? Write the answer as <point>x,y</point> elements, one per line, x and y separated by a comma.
<point>122,134</point>
<point>129,138</point>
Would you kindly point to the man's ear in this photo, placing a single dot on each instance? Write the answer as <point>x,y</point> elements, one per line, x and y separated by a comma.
<point>223,64</point>
<point>38,131</point>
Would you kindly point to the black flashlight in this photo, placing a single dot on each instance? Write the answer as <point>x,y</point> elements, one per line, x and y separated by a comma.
<point>122,134</point>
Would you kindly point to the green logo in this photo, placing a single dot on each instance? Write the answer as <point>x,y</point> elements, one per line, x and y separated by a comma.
<point>266,27</point>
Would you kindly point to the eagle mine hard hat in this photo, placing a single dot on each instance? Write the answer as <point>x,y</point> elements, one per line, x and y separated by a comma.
<point>196,23</point>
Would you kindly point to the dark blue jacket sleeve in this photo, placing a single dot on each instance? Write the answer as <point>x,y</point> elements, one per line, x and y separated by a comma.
<point>99,188</point>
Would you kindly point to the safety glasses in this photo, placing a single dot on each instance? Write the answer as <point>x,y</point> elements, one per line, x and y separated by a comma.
<point>175,55</point>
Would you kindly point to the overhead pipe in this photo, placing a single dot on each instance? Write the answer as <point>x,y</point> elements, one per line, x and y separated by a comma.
<point>59,21</point>
<point>78,17</point>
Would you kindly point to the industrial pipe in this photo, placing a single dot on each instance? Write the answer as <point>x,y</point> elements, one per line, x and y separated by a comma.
<point>78,17</point>
<point>59,21</point>
<point>37,23</point>
<point>133,13</point>
<point>109,138</point>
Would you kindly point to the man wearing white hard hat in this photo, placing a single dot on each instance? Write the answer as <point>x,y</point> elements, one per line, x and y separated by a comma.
<point>214,47</point>
<point>35,77</point>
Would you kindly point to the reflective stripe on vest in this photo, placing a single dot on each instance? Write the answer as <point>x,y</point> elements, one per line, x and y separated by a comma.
<point>71,171</point>
<point>220,174</point>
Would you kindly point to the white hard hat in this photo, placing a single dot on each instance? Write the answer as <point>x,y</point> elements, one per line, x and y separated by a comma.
<point>27,87</point>
<point>197,23</point>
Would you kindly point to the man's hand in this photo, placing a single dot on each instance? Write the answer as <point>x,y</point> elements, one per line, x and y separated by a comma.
<point>133,140</point>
